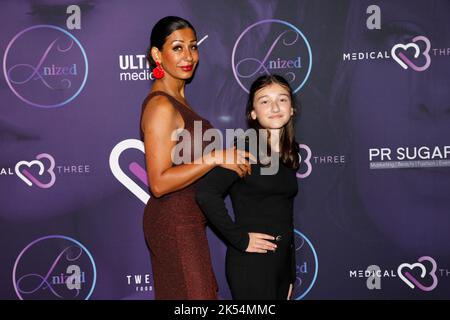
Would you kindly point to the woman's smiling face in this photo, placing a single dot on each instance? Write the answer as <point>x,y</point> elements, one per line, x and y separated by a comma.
<point>179,55</point>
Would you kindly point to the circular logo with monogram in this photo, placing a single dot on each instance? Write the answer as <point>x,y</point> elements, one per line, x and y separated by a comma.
<point>272,47</point>
<point>307,266</point>
<point>45,66</point>
<point>54,267</point>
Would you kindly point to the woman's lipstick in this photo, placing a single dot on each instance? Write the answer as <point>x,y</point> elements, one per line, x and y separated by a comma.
<point>187,68</point>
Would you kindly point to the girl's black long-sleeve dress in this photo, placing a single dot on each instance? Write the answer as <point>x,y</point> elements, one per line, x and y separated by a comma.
<point>263,204</point>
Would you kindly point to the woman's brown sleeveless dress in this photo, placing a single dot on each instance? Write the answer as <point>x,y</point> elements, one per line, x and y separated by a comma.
<point>175,231</point>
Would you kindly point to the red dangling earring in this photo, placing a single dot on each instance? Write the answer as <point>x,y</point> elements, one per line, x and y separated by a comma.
<point>158,72</point>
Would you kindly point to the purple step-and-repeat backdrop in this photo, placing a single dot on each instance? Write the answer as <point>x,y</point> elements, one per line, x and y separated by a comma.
<point>372,216</point>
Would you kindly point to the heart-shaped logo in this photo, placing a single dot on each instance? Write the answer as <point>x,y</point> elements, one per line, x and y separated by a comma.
<point>404,61</point>
<point>307,161</point>
<point>134,167</point>
<point>411,281</point>
<point>29,179</point>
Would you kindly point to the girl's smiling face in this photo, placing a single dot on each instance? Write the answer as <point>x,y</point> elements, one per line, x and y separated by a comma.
<point>272,106</point>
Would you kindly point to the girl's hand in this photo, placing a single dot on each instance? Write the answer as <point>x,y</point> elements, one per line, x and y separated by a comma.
<point>258,243</point>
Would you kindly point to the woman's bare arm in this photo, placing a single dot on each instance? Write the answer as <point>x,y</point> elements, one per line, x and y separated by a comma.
<point>159,121</point>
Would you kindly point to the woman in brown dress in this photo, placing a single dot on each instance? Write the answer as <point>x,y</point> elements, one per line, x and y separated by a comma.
<point>174,226</point>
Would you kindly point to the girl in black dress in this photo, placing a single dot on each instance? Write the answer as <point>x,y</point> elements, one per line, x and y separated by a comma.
<point>260,260</point>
